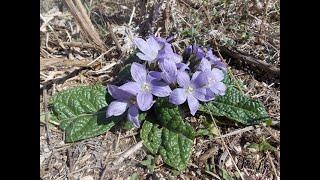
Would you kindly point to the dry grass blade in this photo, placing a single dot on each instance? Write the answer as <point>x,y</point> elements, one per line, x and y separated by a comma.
<point>81,45</point>
<point>239,131</point>
<point>272,165</point>
<point>92,62</point>
<point>226,147</point>
<point>78,12</point>
<point>45,102</point>
<point>121,158</point>
<point>127,153</point>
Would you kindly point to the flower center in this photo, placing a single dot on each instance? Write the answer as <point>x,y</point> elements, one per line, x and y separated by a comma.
<point>146,87</point>
<point>211,79</point>
<point>189,89</point>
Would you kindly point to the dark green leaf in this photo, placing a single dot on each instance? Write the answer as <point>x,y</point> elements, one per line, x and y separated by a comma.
<point>134,176</point>
<point>169,116</point>
<point>81,112</point>
<point>236,106</point>
<point>225,175</point>
<point>263,146</point>
<point>149,163</point>
<point>168,135</point>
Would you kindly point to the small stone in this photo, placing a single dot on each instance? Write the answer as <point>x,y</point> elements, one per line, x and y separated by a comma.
<point>228,163</point>
<point>238,149</point>
<point>87,178</point>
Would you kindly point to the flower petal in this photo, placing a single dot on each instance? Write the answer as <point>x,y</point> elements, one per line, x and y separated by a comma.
<point>160,89</point>
<point>182,67</point>
<point>118,93</point>
<point>133,115</point>
<point>218,74</point>
<point>176,58</point>
<point>144,101</point>
<point>142,45</point>
<point>168,78</point>
<point>131,87</point>
<point>188,50</point>
<point>169,70</point>
<point>193,104</point>
<point>116,108</point>
<point>183,79</point>
<point>203,94</point>
<point>200,80</point>
<point>138,72</point>
<point>195,75</point>
<point>220,65</point>
<point>155,75</point>
<point>152,42</point>
<point>198,51</point>
<point>204,65</point>
<point>178,96</point>
<point>168,66</point>
<point>144,57</point>
<point>211,56</point>
<point>218,88</point>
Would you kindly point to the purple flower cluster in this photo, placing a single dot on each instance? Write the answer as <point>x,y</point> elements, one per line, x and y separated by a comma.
<point>169,78</point>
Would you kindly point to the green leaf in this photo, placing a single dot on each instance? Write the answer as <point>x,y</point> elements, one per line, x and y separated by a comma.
<point>203,132</point>
<point>169,116</point>
<point>225,175</point>
<point>263,146</point>
<point>80,112</point>
<point>236,106</point>
<point>134,176</point>
<point>151,135</point>
<point>168,135</point>
<point>149,163</point>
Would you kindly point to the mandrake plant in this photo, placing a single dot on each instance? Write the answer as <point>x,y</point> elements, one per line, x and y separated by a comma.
<point>158,91</point>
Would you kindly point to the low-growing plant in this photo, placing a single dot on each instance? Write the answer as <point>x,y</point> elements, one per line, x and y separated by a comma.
<point>158,91</point>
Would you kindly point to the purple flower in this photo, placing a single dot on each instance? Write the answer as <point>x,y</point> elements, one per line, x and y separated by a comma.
<point>194,49</point>
<point>167,53</point>
<point>191,90</point>
<point>188,50</point>
<point>145,86</point>
<point>169,71</point>
<point>124,100</point>
<point>198,52</point>
<point>204,65</point>
<point>214,84</point>
<point>149,48</point>
<point>215,61</point>
<point>213,78</point>
<point>182,67</point>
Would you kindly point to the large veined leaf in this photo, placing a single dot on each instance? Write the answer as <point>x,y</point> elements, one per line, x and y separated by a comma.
<point>80,112</point>
<point>236,106</point>
<point>168,135</point>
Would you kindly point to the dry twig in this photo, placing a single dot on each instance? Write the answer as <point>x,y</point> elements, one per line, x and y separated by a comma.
<point>262,65</point>
<point>45,103</point>
<point>81,45</point>
<point>78,12</point>
<point>272,165</point>
<point>113,37</point>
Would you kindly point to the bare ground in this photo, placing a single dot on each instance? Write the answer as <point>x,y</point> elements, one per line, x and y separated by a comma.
<point>249,27</point>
